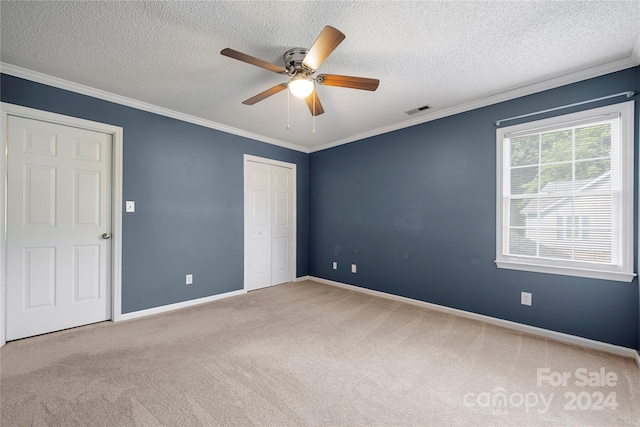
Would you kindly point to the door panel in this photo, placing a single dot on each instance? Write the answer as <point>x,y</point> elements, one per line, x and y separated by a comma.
<point>86,272</point>
<point>39,277</point>
<point>40,188</point>
<point>58,206</point>
<point>87,150</point>
<point>40,142</point>
<point>280,254</point>
<point>87,198</point>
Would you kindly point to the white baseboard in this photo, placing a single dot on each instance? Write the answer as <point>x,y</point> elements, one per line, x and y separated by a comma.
<point>302,279</point>
<point>546,333</point>
<point>178,305</point>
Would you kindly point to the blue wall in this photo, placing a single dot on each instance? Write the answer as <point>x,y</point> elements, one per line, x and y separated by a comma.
<point>415,209</point>
<point>187,182</point>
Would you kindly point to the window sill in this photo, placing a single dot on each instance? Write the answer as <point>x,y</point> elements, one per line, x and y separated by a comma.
<point>567,271</point>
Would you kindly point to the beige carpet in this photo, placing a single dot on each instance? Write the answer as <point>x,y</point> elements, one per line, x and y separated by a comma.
<point>308,354</point>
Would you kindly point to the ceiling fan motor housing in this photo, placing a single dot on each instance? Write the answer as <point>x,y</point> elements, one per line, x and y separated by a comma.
<point>293,61</point>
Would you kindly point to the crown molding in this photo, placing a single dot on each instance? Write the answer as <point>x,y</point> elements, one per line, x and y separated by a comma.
<point>635,54</point>
<point>37,77</point>
<point>584,74</point>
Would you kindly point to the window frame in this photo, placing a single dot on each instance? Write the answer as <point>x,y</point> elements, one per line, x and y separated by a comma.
<point>623,271</point>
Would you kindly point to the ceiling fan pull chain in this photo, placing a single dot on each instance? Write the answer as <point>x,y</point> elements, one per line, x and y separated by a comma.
<point>314,110</point>
<point>288,97</point>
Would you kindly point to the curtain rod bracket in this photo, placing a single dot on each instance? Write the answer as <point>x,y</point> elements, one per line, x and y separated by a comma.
<point>628,94</point>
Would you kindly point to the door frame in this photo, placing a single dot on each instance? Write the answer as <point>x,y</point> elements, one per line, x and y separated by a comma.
<point>116,133</point>
<point>247,194</point>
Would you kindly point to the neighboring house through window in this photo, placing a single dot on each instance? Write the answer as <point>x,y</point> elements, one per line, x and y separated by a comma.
<point>565,194</point>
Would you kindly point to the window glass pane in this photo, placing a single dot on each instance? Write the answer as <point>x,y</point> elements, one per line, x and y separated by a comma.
<point>550,207</point>
<point>555,178</point>
<point>516,215</point>
<point>524,180</point>
<point>551,246</point>
<point>593,141</point>
<point>597,211</point>
<point>557,146</point>
<point>597,248</point>
<point>522,242</point>
<point>593,175</point>
<point>524,150</point>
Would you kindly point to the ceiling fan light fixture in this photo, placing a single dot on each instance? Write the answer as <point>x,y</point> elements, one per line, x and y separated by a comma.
<point>301,86</point>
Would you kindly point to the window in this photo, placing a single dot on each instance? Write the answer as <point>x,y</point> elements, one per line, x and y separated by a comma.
<point>565,194</point>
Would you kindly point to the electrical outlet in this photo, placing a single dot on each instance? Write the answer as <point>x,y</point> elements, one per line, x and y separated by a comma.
<point>130,206</point>
<point>353,268</point>
<point>335,265</point>
<point>525,298</point>
<point>189,279</point>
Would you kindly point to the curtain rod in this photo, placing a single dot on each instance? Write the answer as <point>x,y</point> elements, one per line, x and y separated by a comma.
<point>629,94</point>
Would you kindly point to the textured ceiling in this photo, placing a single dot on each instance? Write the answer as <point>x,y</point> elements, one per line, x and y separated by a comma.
<point>441,54</point>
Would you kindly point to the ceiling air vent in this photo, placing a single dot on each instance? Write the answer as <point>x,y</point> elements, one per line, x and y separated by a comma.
<point>417,110</point>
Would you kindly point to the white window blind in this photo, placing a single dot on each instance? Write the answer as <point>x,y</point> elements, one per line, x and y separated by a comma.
<point>565,194</point>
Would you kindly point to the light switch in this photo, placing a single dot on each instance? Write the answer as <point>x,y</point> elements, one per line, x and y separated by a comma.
<point>130,206</point>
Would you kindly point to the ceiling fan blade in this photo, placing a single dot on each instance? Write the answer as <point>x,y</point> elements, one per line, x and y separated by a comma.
<point>316,109</point>
<point>231,53</point>
<point>361,83</point>
<point>326,42</point>
<point>267,93</point>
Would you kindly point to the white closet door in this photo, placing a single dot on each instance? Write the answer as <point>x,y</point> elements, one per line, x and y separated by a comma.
<point>269,225</point>
<point>258,213</point>
<point>281,224</point>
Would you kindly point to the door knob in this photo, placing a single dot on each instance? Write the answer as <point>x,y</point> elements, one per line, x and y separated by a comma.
<point>106,236</point>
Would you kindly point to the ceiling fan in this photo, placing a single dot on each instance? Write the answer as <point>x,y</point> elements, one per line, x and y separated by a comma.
<point>300,65</point>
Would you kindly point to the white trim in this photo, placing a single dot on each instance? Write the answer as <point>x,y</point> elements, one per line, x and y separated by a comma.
<point>246,238</point>
<point>635,54</point>
<point>267,161</point>
<point>4,140</point>
<point>545,333</point>
<point>637,357</point>
<point>116,226</point>
<point>577,76</point>
<point>573,77</point>
<point>179,305</point>
<point>24,73</point>
<point>116,133</point>
<point>623,270</point>
<point>302,278</point>
<point>566,271</point>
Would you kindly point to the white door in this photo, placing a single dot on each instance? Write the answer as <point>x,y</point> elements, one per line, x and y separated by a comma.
<point>269,225</point>
<point>58,225</point>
